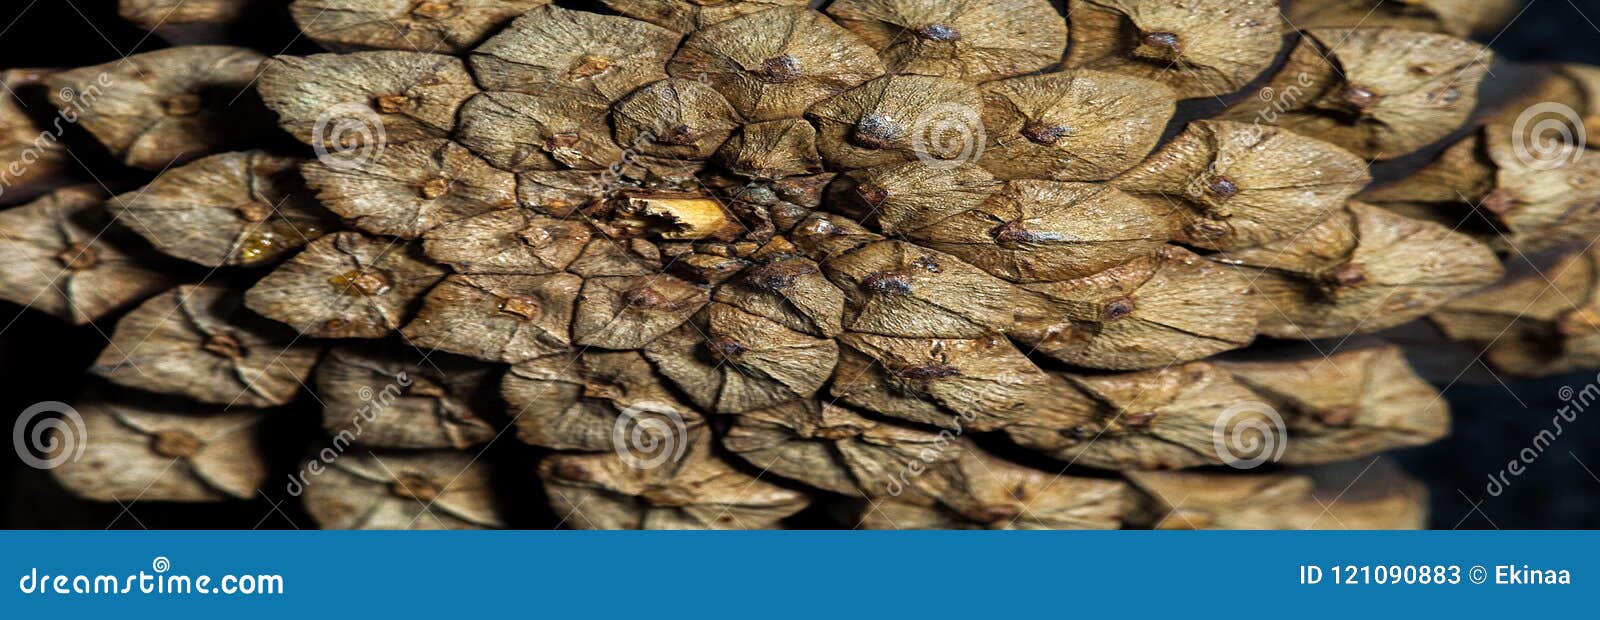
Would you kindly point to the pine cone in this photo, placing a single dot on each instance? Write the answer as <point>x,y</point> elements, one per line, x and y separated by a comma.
<point>906,263</point>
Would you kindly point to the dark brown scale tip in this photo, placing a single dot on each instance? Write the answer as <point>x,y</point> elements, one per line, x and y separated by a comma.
<point>774,277</point>
<point>590,65</point>
<point>559,142</point>
<point>186,104</point>
<point>1116,308</point>
<point>937,32</point>
<point>1578,322</point>
<point>888,283</point>
<point>224,345</point>
<point>725,348</point>
<point>1072,435</point>
<point>1345,276</point>
<point>576,472</point>
<point>415,486</point>
<point>434,188</point>
<point>1222,188</point>
<point>1358,98</point>
<point>421,386</point>
<point>1500,201</point>
<point>433,9</point>
<point>993,515</point>
<point>875,132</point>
<point>176,444</point>
<point>1141,420</point>
<point>361,283</point>
<point>535,236</point>
<point>1012,235</point>
<point>253,211</point>
<point>1340,416</point>
<point>78,257</point>
<point>872,193</point>
<point>1205,230</point>
<point>521,306</point>
<point>836,433</point>
<point>927,372</point>
<point>1160,45</point>
<point>1040,133</point>
<point>778,69</point>
<point>682,135</point>
<point>648,298</point>
<point>391,104</point>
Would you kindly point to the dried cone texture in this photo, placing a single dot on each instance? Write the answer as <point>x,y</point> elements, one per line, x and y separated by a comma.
<point>345,285</point>
<point>979,491</point>
<point>443,26</point>
<point>1201,48</point>
<point>242,209</point>
<point>65,257</point>
<point>183,22</point>
<point>1453,17</point>
<point>1578,86</point>
<point>40,157</point>
<point>581,402</point>
<point>696,490</point>
<point>1157,419</point>
<point>411,188</point>
<point>1148,312</point>
<point>1379,93</point>
<point>1343,497</point>
<point>391,396</point>
<point>1233,184</point>
<point>1349,404</point>
<point>969,40</point>
<point>392,97</point>
<point>551,49</point>
<point>200,342</point>
<point>166,106</point>
<point>137,447</point>
<point>767,78</point>
<point>982,384</point>
<point>691,15</point>
<point>1520,193</point>
<point>1541,319</point>
<point>719,261</point>
<point>152,14</point>
<point>390,490</point>
<point>835,448</point>
<point>1361,270</point>
<point>1561,107</point>
<point>1075,125</point>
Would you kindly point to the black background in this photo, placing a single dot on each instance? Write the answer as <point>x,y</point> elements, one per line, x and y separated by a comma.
<point>44,359</point>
